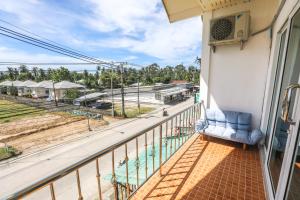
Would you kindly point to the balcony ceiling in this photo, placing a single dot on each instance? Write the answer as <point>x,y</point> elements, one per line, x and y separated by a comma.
<point>183,9</point>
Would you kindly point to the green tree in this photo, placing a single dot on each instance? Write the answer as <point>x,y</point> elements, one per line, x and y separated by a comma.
<point>72,94</point>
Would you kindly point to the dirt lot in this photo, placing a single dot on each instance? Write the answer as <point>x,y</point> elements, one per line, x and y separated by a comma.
<point>40,129</point>
<point>27,128</point>
<point>60,134</point>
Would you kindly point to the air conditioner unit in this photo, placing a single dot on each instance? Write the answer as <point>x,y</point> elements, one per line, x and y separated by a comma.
<point>230,29</point>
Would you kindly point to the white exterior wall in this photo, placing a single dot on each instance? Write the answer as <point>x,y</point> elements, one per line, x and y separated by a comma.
<point>59,93</point>
<point>234,79</point>
<point>39,92</point>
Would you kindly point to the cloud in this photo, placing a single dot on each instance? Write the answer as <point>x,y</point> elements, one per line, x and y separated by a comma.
<point>147,19</point>
<point>137,27</point>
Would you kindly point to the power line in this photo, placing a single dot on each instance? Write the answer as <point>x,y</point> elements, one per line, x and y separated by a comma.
<point>48,45</point>
<point>73,53</point>
<point>42,46</point>
<point>23,29</point>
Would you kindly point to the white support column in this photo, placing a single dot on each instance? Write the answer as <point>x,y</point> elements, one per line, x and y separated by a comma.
<point>205,60</point>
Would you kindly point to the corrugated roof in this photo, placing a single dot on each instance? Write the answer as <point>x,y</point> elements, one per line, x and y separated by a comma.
<point>91,96</point>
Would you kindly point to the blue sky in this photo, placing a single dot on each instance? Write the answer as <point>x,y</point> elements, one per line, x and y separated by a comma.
<point>136,31</point>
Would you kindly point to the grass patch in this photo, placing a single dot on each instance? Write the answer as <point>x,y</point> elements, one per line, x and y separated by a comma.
<point>8,152</point>
<point>132,112</point>
<point>10,111</point>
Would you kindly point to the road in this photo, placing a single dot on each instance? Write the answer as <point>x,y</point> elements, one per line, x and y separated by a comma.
<point>21,173</point>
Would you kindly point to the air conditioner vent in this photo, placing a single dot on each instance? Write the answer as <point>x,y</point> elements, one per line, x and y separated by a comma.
<point>229,29</point>
<point>223,29</point>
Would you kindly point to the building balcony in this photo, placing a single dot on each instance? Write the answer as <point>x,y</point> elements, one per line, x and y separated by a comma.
<point>207,169</point>
<point>165,161</point>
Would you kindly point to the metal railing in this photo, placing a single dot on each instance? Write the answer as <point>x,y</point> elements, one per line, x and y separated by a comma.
<point>171,133</point>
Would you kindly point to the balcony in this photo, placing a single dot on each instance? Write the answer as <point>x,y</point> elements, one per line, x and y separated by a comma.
<point>207,169</point>
<point>165,161</point>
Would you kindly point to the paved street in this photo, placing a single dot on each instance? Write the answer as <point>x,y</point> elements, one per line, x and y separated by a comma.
<point>23,172</point>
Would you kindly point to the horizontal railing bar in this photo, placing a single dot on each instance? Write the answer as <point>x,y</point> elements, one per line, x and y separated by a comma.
<point>87,160</point>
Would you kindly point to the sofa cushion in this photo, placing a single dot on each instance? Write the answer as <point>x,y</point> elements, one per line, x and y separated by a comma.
<point>229,133</point>
<point>220,118</point>
<point>210,129</point>
<point>219,131</point>
<point>244,121</point>
<point>231,119</point>
<point>210,115</point>
<point>242,136</point>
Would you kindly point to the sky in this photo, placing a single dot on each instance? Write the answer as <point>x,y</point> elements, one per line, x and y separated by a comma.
<point>135,31</point>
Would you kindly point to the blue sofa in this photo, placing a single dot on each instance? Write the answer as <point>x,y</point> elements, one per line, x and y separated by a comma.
<point>229,125</point>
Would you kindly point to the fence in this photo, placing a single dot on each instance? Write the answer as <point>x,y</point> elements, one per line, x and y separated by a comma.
<point>160,141</point>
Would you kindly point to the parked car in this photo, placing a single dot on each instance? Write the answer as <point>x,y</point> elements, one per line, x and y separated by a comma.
<point>100,105</point>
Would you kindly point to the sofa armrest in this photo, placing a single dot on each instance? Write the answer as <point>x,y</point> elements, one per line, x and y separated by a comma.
<point>255,136</point>
<point>200,125</point>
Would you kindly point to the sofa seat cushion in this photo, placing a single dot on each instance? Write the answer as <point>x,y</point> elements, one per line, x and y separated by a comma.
<point>242,136</point>
<point>229,133</point>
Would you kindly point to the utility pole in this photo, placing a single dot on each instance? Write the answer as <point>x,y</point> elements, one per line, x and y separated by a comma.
<point>112,95</point>
<point>122,92</point>
<point>13,91</point>
<point>54,94</point>
<point>88,118</point>
<point>138,93</point>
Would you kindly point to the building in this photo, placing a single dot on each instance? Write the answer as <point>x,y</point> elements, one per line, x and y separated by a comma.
<point>9,86</point>
<point>252,76</point>
<point>249,66</point>
<point>171,95</point>
<point>41,89</point>
<point>26,88</point>
<point>60,89</point>
<point>89,98</point>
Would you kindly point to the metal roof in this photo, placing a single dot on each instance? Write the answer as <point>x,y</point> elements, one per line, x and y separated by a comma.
<point>91,96</point>
<point>183,9</point>
<point>67,85</point>
<point>172,91</point>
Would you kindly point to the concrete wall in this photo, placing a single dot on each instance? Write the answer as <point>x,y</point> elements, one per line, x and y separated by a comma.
<point>234,79</point>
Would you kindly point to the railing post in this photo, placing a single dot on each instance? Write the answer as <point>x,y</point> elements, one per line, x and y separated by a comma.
<point>166,142</point>
<point>80,197</point>
<point>137,162</point>
<point>114,181</point>
<point>98,176</point>
<point>189,122</point>
<point>127,178</point>
<point>186,124</point>
<point>52,191</point>
<point>146,158</point>
<point>160,149</point>
<point>180,128</point>
<point>171,146</point>
<point>176,132</point>
<point>153,151</point>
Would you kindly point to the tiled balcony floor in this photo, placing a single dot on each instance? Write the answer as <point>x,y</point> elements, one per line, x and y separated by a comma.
<point>207,169</point>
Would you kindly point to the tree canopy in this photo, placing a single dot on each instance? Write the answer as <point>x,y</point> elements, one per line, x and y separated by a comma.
<point>101,77</point>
